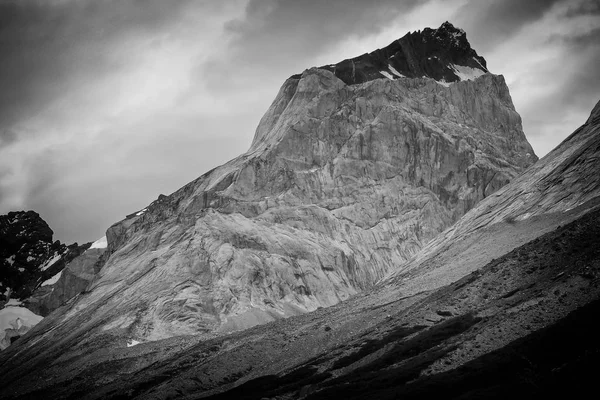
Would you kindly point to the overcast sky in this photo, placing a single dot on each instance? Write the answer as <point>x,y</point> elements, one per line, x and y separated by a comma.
<point>105,104</point>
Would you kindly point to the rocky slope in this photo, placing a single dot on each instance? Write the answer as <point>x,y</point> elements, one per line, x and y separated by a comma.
<point>37,274</point>
<point>28,255</point>
<point>344,181</point>
<point>72,280</point>
<point>520,325</point>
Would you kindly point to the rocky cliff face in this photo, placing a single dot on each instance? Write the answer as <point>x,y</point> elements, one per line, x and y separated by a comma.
<point>443,54</point>
<point>565,179</point>
<point>28,256</point>
<point>345,180</point>
<point>34,269</point>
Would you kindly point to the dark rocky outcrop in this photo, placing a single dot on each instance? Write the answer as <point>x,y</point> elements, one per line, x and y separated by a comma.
<point>443,54</point>
<point>28,255</point>
<point>37,274</point>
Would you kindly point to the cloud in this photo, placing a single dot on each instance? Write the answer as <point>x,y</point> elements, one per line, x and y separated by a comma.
<point>49,47</point>
<point>81,80</point>
<point>495,21</point>
<point>284,37</point>
<point>549,66</point>
<point>106,104</point>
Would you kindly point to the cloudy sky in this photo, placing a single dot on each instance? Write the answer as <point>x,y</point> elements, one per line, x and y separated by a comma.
<point>105,104</point>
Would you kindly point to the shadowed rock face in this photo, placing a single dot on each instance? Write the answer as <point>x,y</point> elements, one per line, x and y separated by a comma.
<point>31,264</point>
<point>341,184</point>
<point>28,256</point>
<point>443,54</point>
<point>74,279</point>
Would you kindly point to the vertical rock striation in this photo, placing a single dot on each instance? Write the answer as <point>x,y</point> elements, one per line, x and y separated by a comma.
<point>345,179</point>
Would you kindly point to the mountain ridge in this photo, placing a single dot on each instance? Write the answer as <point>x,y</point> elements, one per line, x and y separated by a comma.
<point>443,54</point>
<point>341,183</point>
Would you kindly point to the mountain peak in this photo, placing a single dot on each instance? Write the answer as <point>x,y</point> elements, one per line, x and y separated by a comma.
<point>443,54</point>
<point>447,27</point>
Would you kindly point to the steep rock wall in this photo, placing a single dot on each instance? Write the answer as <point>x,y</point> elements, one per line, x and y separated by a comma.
<point>341,184</point>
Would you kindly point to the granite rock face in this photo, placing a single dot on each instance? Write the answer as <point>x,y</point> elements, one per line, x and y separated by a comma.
<point>342,183</point>
<point>561,182</point>
<point>73,280</point>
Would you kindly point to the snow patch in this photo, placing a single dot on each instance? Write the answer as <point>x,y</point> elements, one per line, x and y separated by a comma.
<point>395,71</point>
<point>387,75</point>
<point>466,73</point>
<point>477,61</point>
<point>50,262</point>
<point>52,280</point>
<point>132,342</point>
<point>100,243</point>
<point>524,216</point>
<point>15,318</point>
<point>11,259</point>
<point>13,302</point>
<point>29,258</point>
<point>444,83</point>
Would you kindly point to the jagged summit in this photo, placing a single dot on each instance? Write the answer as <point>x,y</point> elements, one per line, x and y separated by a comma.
<point>443,54</point>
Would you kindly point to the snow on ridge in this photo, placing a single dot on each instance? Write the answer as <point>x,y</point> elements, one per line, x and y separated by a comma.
<point>386,74</point>
<point>51,262</point>
<point>477,61</point>
<point>132,342</point>
<point>395,71</point>
<point>52,280</point>
<point>141,212</point>
<point>100,243</point>
<point>466,73</point>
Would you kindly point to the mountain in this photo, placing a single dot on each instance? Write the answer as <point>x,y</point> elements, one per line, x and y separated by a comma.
<point>522,324</point>
<point>36,273</point>
<point>347,179</point>
<point>443,54</point>
<point>72,280</point>
<point>342,183</point>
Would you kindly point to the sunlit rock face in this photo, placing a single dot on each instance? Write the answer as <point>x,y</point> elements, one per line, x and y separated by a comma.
<point>343,182</point>
<point>561,182</point>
